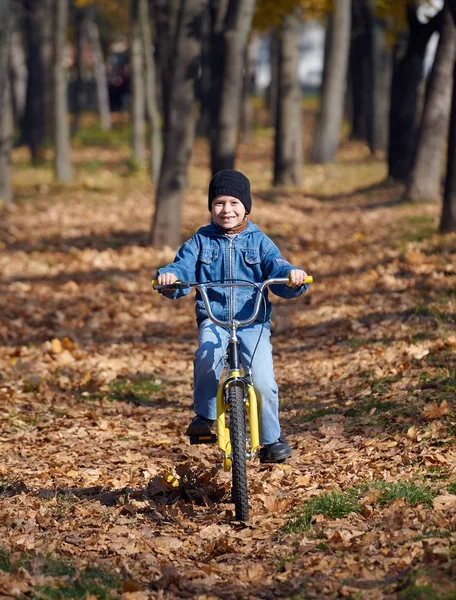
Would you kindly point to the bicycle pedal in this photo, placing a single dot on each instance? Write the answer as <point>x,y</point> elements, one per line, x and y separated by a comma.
<point>203,439</point>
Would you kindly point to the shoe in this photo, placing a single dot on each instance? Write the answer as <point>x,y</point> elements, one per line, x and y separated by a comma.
<point>200,426</point>
<point>276,452</point>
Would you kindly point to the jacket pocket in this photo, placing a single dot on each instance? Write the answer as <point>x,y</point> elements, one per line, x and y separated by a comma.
<point>208,255</point>
<point>252,256</point>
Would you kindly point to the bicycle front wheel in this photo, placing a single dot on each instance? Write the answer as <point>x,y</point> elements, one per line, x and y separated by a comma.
<point>238,448</point>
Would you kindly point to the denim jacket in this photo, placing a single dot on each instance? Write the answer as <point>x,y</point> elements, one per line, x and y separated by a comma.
<point>250,255</point>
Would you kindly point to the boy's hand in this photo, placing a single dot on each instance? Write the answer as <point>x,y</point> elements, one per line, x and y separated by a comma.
<point>297,277</point>
<point>166,279</point>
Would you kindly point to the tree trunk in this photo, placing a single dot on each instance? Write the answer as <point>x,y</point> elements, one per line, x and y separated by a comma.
<point>237,27</point>
<point>5,11</point>
<point>248,87</point>
<point>101,78</point>
<point>382,66</point>
<point>153,115</point>
<point>426,173</point>
<point>181,126</point>
<point>273,88</point>
<point>6,141</point>
<point>6,128</point>
<point>46,17</point>
<point>166,17</point>
<point>32,126</point>
<point>361,71</point>
<point>288,133</point>
<point>329,122</point>
<point>17,65</point>
<point>217,10</point>
<point>138,108</point>
<point>452,7</point>
<point>62,161</point>
<point>448,218</point>
<point>407,77</point>
<point>203,126</point>
<point>78,99</point>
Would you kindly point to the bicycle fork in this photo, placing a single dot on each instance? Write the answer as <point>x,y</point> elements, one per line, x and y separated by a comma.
<point>235,378</point>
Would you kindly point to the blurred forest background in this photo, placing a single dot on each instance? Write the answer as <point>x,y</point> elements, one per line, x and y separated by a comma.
<point>173,70</point>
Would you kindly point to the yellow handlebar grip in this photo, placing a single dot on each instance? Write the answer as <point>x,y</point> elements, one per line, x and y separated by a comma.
<point>309,279</point>
<point>154,282</point>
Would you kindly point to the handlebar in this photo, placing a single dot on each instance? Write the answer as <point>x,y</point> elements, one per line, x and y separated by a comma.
<point>203,287</point>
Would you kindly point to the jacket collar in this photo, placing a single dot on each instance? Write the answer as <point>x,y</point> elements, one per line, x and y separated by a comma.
<point>212,230</point>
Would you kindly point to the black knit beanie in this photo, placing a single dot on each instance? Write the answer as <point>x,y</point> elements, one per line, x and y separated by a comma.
<point>231,183</point>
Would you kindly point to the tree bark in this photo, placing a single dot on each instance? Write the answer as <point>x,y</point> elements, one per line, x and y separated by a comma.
<point>217,11</point>
<point>238,22</point>
<point>46,16</point>
<point>203,126</point>
<point>138,108</point>
<point>101,78</point>
<point>426,174</point>
<point>181,126</point>
<point>32,126</point>
<point>78,99</point>
<point>329,122</point>
<point>248,88</point>
<point>153,115</point>
<point>6,142</point>
<point>288,136</point>
<point>273,88</point>
<point>448,217</point>
<point>5,11</point>
<point>382,66</point>
<point>62,161</point>
<point>6,126</point>
<point>166,17</point>
<point>17,64</point>
<point>407,77</point>
<point>361,71</point>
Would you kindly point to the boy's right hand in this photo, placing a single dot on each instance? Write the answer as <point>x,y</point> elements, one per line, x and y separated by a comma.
<point>166,279</point>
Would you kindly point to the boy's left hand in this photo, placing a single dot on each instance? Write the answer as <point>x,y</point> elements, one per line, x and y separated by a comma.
<point>297,277</point>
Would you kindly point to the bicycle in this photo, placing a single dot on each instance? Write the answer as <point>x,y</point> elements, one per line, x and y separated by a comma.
<point>236,396</point>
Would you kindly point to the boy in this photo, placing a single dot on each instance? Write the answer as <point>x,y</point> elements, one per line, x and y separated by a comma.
<point>232,247</point>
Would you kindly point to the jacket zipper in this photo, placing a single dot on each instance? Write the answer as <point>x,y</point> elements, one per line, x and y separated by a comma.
<point>230,275</point>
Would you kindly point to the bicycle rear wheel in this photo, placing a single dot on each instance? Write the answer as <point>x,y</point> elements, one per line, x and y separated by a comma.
<point>238,448</point>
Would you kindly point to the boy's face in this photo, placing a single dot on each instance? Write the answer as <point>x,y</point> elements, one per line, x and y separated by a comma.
<point>227,211</point>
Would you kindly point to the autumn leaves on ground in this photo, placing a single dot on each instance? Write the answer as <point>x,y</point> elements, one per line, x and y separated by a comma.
<point>96,385</point>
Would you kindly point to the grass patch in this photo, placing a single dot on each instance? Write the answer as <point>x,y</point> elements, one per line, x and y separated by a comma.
<point>91,166</point>
<point>63,579</point>
<point>429,584</point>
<point>338,505</point>
<point>5,561</point>
<point>136,392</point>
<point>316,414</point>
<point>93,135</point>
<point>452,488</point>
<point>410,491</point>
<point>417,228</point>
<point>366,405</point>
<point>334,505</point>
<point>139,392</point>
<point>439,388</point>
<point>90,583</point>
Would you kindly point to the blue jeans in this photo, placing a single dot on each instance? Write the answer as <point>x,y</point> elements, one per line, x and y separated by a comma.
<point>209,363</point>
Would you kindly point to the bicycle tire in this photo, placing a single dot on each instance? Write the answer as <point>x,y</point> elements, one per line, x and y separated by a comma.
<point>238,449</point>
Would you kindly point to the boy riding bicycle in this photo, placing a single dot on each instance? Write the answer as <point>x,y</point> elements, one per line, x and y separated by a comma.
<point>232,247</point>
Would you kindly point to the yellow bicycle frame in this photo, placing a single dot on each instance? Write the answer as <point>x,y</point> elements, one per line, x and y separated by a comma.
<point>223,432</point>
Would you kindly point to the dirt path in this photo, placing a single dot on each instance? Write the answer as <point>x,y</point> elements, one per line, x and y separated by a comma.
<point>95,393</point>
